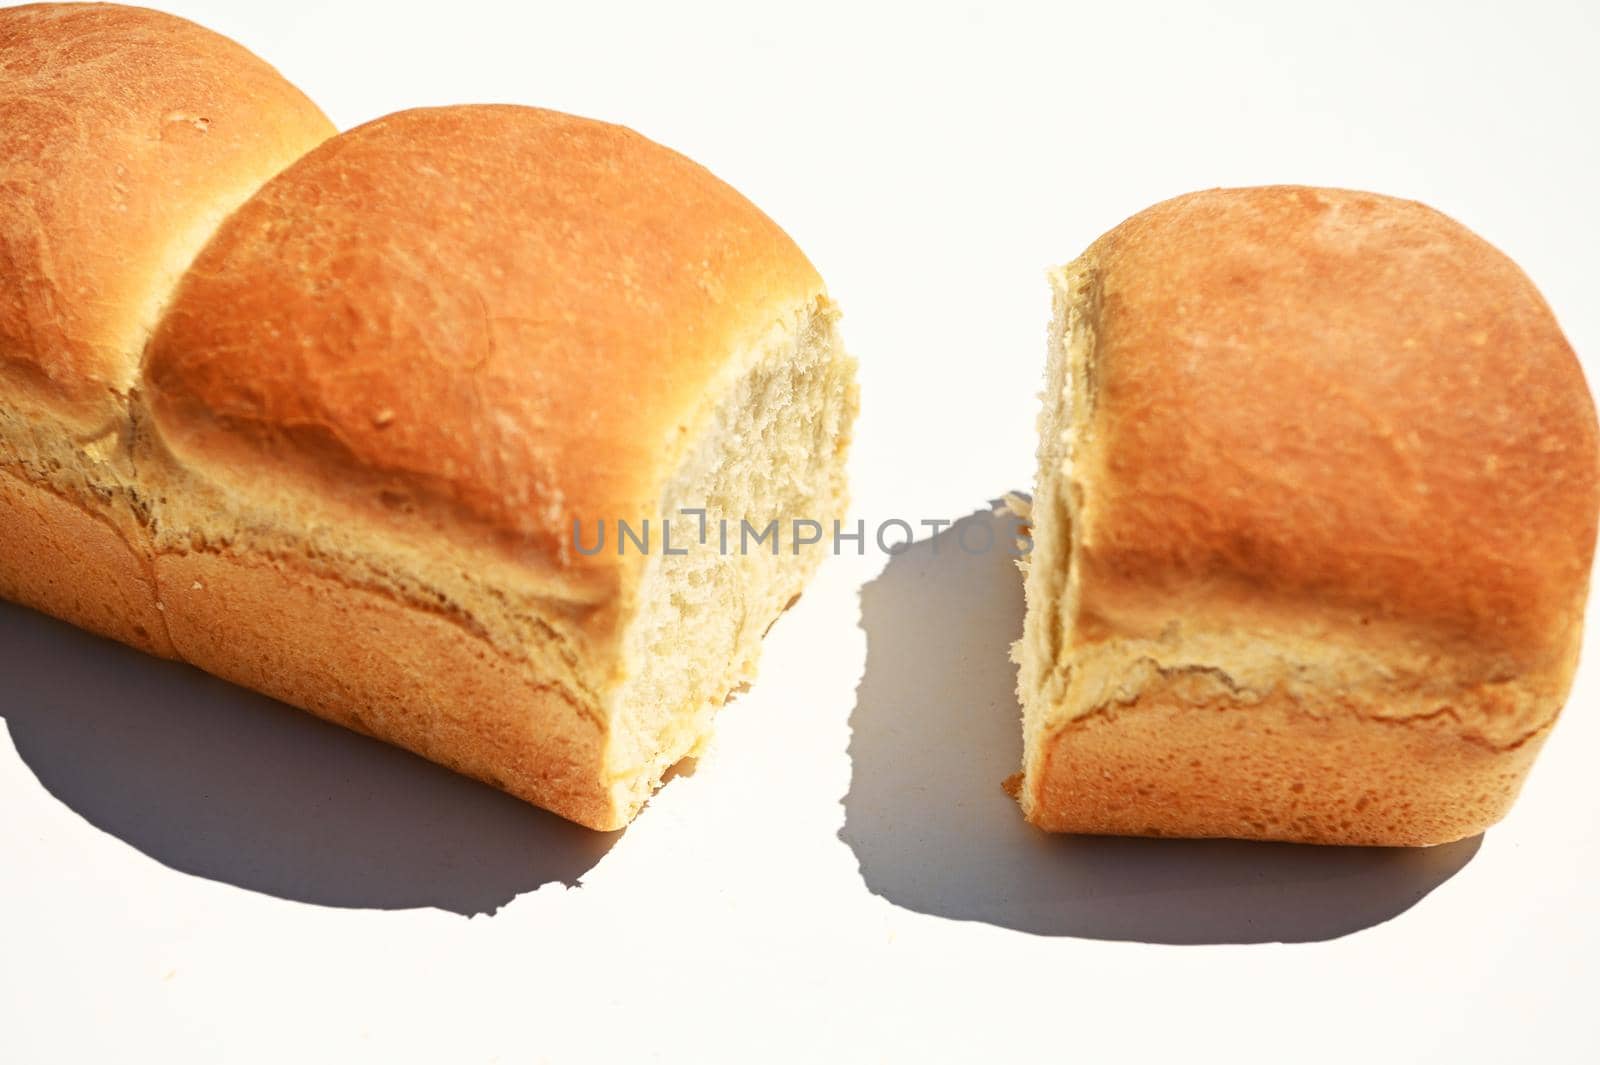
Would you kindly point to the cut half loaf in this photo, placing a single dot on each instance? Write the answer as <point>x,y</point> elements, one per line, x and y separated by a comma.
<point>358,451</point>
<point>406,389</point>
<point>1313,527</point>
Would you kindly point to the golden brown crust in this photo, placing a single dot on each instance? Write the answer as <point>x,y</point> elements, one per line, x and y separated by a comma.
<point>1341,399</point>
<point>1167,764</point>
<point>125,136</point>
<point>564,295</point>
<point>60,558</point>
<point>1335,480</point>
<point>413,678</point>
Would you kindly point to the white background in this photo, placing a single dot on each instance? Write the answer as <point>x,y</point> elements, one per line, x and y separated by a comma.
<point>191,873</point>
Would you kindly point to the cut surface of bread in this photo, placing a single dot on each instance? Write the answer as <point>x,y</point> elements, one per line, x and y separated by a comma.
<point>1312,531</point>
<point>401,392</point>
<point>126,136</point>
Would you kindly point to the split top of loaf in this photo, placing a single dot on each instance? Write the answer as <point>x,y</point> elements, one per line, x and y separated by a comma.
<point>1315,516</point>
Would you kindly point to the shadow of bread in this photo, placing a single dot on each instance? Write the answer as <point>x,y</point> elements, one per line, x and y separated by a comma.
<point>936,730</point>
<point>220,782</point>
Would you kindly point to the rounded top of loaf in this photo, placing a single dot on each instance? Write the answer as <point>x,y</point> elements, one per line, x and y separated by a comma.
<point>125,136</point>
<point>495,315</point>
<point>1315,396</point>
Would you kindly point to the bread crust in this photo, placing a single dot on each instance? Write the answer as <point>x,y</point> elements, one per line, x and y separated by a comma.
<point>415,678</point>
<point>599,285</point>
<point>125,136</point>
<point>1171,764</point>
<point>1344,399</point>
<point>1333,449</point>
<point>72,563</point>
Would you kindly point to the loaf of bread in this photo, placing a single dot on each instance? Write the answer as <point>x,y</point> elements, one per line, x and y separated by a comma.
<point>387,429</point>
<point>1315,514</point>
